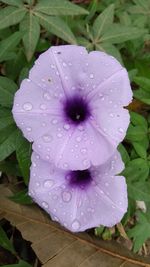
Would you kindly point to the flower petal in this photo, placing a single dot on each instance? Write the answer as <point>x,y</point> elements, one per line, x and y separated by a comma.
<point>103,202</point>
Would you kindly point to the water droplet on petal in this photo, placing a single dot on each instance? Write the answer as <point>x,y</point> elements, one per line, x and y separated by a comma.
<point>75,225</point>
<point>66,196</point>
<point>27,106</point>
<point>64,64</point>
<point>47,96</point>
<point>54,121</point>
<point>43,106</point>
<point>78,139</point>
<point>47,138</point>
<point>37,184</point>
<point>66,126</point>
<point>48,183</point>
<point>120,130</point>
<point>83,150</point>
<point>29,129</point>
<point>45,205</point>
<point>59,135</point>
<point>111,115</point>
<point>91,76</point>
<point>86,162</point>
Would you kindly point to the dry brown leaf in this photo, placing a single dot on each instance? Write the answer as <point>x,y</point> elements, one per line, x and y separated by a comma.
<point>55,247</point>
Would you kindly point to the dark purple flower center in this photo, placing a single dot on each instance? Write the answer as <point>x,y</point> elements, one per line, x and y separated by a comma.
<point>76,109</point>
<point>80,178</point>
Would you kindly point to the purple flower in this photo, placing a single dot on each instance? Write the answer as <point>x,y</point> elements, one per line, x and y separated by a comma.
<point>71,106</point>
<point>80,199</point>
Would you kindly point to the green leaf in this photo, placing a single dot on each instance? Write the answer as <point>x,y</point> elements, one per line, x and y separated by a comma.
<point>142,95</point>
<point>141,231</point>
<point>136,170</point>
<point>15,66</point>
<point>103,21</point>
<point>140,149</point>
<point>10,168</point>
<point>17,3</point>
<point>59,7</point>
<point>118,33</point>
<point>139,191</point>
<point>136,133</point>
<point>21,263</point>
<point>9,139</point>
<point>143,82</point>
<point>5,118</point>
<point>138,119</point>
<point>124,153</point>
<point>7,91</point>
<point>22,197</point>
<point>8,45</point>
<point>24,159</point>
<point>56,26</point>
<point>30,28</point>
<point>5,242</point>
<point>11,15</point>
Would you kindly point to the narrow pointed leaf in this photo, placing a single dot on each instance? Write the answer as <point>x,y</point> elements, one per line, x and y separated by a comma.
<point>7,90</point>
<point>7,45</point>
<point>30,29</point>
<point>103,21</point>
<point>17,3</point>
<point>11,15</point>
<point>56,26</point>
<point>5,242</point>
<point>118,34</point>
<point>59,7</point>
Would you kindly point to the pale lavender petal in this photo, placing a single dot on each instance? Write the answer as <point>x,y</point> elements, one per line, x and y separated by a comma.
<point>79,203</point>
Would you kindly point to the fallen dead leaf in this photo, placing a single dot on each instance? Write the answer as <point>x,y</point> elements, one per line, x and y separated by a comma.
<point>56,247</point>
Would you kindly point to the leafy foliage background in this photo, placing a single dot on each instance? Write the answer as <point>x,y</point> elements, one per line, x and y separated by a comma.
<point>122,29</point>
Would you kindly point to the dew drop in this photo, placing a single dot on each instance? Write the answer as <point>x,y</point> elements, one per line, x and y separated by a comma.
<point>47,138</point>
<point>83,150</point>
<point>47,96</point>
<point>59,135</point>
<point>54,121</point>
<point>29,129</point>
<point>120,130</point>
<point>64,64</point>
<point>78,139</point>
<point>86,162</point>
<point>75,225</point>
<point>48,183</point>
<point>45,205</point>
<point>91,76</point>
<point>111,115</point>
<point>43,106</point>
<point>66,126</point>
<point>37,184</point>
<point>27,106</point>
<point>66,196</point>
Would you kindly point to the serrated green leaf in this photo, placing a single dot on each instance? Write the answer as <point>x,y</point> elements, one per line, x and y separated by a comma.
<point>22,197</point>
<point>140,149</point>
<point>103,21</point>
<point>56,26</point>
<point>17,3</point>
<point>59,7</point>
<point>7,45</point>
<point>141,231</point>
<point>118,33</point>
<point>9,139</point>
<point>7,90</point>
<point>5,118</point>
<point>23,153</point>
<point>30,29</point>
<point>11,15</point>
<point>21,263</point>
<point>5,242</point>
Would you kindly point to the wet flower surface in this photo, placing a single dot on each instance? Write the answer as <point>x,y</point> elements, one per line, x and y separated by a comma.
<point>80,200</point>
<point>71,106</point>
